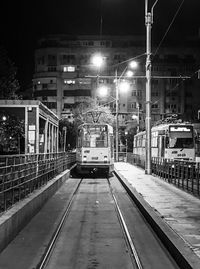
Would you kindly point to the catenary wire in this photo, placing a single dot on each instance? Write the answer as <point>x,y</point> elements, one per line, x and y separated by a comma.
<point>173,19</point>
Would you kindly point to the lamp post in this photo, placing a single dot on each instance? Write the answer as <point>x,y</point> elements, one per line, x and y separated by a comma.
<point>129,74</point>
<point>97,60</point>
<point>148,22</point>
<point>126,140</point>
<point>117,111</point>
<point>138,117</point>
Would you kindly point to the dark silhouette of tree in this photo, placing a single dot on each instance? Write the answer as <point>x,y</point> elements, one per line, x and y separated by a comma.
<point>9,85</point>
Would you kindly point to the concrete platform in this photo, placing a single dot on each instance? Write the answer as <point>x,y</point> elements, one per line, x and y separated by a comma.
<point>178,209</point>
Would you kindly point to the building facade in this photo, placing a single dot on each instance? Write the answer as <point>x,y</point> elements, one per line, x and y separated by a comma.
<point>64,76</point>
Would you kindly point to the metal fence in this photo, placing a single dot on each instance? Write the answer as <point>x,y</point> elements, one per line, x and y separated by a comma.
<point>20,175</point>
<point>122,156</point>
<point>183,174</point>
<point>135,159</point>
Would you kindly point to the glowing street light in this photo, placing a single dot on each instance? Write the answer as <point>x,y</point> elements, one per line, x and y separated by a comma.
<point>97,60</point>
<point>124,86</point>
<point>103,91</point>
<point>133,64</point>
<point>129,73</point>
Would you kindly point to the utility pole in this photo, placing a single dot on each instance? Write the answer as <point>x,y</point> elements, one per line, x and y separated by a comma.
<point>148,23</point>
<point>117,111</point>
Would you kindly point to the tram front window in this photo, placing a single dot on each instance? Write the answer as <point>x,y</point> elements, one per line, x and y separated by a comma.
<point>95,137</point>
<point>181,141</point>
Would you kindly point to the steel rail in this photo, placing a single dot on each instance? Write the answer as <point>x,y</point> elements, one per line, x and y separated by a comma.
<point>125,230</point>
<point>52,243</point>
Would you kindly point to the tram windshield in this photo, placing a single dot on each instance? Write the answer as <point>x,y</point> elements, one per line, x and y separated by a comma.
<point>95,136</point>
<point>181,137</point>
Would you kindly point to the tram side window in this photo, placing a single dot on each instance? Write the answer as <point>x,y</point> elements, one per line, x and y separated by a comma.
<point>154,138</point>
<point>143,141</point>
<point>135,142</point>
<point>112,146</point>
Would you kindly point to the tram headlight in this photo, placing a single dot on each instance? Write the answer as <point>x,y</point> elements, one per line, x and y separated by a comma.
<point>105,159</point>
<point>84,158</point>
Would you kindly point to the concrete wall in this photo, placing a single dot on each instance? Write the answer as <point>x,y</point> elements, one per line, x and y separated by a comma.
<point>12,221</point>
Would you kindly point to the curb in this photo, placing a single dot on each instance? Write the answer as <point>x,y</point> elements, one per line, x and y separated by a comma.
<point>177,247</point>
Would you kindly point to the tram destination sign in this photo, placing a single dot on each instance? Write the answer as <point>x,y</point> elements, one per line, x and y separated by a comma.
<point>180,128</point>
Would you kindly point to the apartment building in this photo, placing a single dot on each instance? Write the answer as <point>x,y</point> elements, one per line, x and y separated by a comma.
<point>64,76</point>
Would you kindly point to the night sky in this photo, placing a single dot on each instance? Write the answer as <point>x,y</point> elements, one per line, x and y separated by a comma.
<point>23,22</point>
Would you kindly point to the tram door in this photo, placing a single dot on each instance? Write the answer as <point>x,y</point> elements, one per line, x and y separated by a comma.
<point>161,146</point>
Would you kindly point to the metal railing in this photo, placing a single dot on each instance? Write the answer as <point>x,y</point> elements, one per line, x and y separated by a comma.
<point>135,159</point>
<point>20,175</point>
<point>183,174</point>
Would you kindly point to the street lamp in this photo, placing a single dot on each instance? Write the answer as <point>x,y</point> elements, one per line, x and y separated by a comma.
<point>97,60</point>
<point>129,73</point>
<point>148,23</point>
<point>126,133</point>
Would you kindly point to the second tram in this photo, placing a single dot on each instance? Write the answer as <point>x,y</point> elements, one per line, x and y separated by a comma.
<point>168,141</point>
<point>95,148</point>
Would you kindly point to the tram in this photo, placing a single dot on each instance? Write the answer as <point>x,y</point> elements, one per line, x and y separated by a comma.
<point>168,141</point>
<point>95,148</point>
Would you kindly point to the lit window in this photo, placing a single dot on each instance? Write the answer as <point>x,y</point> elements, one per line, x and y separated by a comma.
<point>68,68</point>
<point>69,82</point>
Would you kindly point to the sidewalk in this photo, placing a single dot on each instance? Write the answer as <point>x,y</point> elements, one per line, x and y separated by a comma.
<point>180,210</point>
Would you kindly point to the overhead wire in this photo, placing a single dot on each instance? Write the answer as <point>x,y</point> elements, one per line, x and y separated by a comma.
<point>166,32</point>
<point>159,45</point>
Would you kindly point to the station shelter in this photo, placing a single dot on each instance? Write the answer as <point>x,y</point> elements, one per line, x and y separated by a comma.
<point>37,127</point>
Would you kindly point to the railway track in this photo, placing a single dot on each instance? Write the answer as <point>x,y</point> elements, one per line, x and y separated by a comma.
<point>103,228</point>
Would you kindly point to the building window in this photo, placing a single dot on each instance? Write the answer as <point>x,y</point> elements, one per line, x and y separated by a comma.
<point>68,59</point>
<point>50,105</point>
<point>154,106</point>
<point>44,98</point>
<point>69,81</point>
<point>154,81</point>
<point>133,105</point>
<point>52,60</point>
<point>69,69</point>
<point>51,68</point>
<point>44,86</point>
<point>155,93</point>
<point>133,93</point>
<point>40,60</point>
